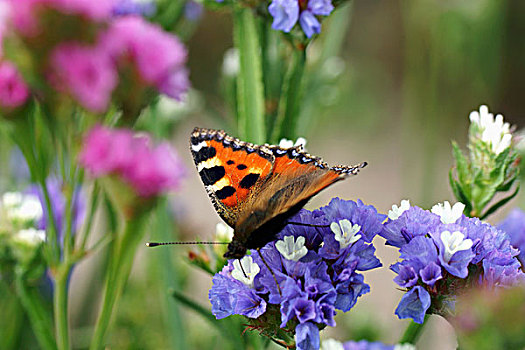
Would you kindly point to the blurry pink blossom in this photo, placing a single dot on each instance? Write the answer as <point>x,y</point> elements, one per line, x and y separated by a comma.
<point>159,57</point>
<point>24,13</point>
<point>13,90</point>
<point>86,72</point>
<point>149,170</point>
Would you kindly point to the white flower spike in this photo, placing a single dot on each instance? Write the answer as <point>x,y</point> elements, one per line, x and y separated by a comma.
<point>454,242</point>
<point>291,248</point>
<point>250,268</point>
<point>11,199</point>
<point>396,211</point>
<point>345,232</point>
<point>449,214</point>
<point>493,131</point>
<point>331,344</point>
<point>405,346</point>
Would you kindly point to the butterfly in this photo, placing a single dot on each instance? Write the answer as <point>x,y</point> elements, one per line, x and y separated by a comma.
<point>255,189</point>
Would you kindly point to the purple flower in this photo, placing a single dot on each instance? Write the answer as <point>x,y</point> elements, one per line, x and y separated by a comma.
<point>13,90</point>
<point>414,304</point>
<point>193,10</point>
<point>307,336</point>
<point>149,170</point>
<point>58,206</point>
<point>441,258</point>
<point>285,14</point>
<point>158,56</point>
<point>312,281</point>
<point>86,73</point>
<point>365,345</point>
<point>133,7</point>
<point>514,226</point>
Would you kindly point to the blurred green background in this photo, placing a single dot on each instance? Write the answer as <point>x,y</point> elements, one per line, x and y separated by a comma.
<point>406,77</point>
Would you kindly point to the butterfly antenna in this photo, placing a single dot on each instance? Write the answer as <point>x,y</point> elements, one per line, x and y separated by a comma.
<point>242,269</point>
<point>271,271</point>
<point>303,224</point>
<point>156,244</point>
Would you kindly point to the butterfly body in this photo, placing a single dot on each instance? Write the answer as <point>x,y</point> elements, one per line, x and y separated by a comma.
<point>256,188</point>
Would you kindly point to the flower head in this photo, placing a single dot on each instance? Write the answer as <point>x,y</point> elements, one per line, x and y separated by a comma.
<point>13,90</point>
<point>493,131</point>
<point>442,254</point>
<point>285,143</point>
<point>86,73</point>
<point>315,274</point>
<point>150,170</point>
<point>133,7</point>
<point>157,56</point>
<point>345,233</point>
<point>286,13</point>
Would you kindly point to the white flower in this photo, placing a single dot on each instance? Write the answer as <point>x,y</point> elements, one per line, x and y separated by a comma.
<point>285,143</point>
<point>448,214</point>
<point>29,209</point>
<point>291,248</point>
<point>231,62</point>
<point>345,232</point>
<point>405,346</point>
<point>454,242</point>
<point>223,232</point>
<point>331,344</point>
<point>11,199</point>
<point>493,131</point>
<point>396,211</point>
<point>246,274</point>
<point>31,236</point>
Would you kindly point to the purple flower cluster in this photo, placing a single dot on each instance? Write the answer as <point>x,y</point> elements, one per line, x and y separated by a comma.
<point>286,13</point>
<point>124,57</point>
<point>134,7</point>
<point>442,252</point>
<point>514,226</point>
<point>316,269</point>
<point>149,170</point>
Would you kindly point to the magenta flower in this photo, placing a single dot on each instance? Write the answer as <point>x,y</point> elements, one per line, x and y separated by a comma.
<point>86,73</point>
<point>158,56</point>
<point>149,170</point>
<point>24,13</point>
<point>13,90</point>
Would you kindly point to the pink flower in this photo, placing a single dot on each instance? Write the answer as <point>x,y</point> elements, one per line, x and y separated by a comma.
<point>13,90</point>
<point>149,170</point>
<point>87,73</point>
<point>158,56</point>
<point>25,13</point>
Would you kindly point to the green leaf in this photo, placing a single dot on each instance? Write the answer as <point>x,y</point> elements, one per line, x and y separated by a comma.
<point>458,192</point>
<point>250,92</point>
<point>462,164</point>
<point>501,203</point>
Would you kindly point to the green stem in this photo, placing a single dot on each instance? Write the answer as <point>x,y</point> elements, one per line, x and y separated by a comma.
<point>289,104</point>
<point>60,307</point>
<point>93,204</point>
<point>250,91</point>
<point>39,317</point>
<point>413,332</point>
<point>119,267</point>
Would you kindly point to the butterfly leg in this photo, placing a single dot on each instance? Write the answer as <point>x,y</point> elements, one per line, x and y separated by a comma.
<point>303,224</point>
<point>271,271</point>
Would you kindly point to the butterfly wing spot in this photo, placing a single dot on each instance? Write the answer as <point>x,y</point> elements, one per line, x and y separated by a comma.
<point>225,192</point>
<point>204,154</point>
<point>241,166</point>
<point>211,175</point>
<point>197,145</point>
<point>230,162</point>
<point>249,180</point>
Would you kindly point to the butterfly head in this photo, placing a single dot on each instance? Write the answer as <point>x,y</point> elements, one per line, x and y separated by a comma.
<point>236,250</point>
